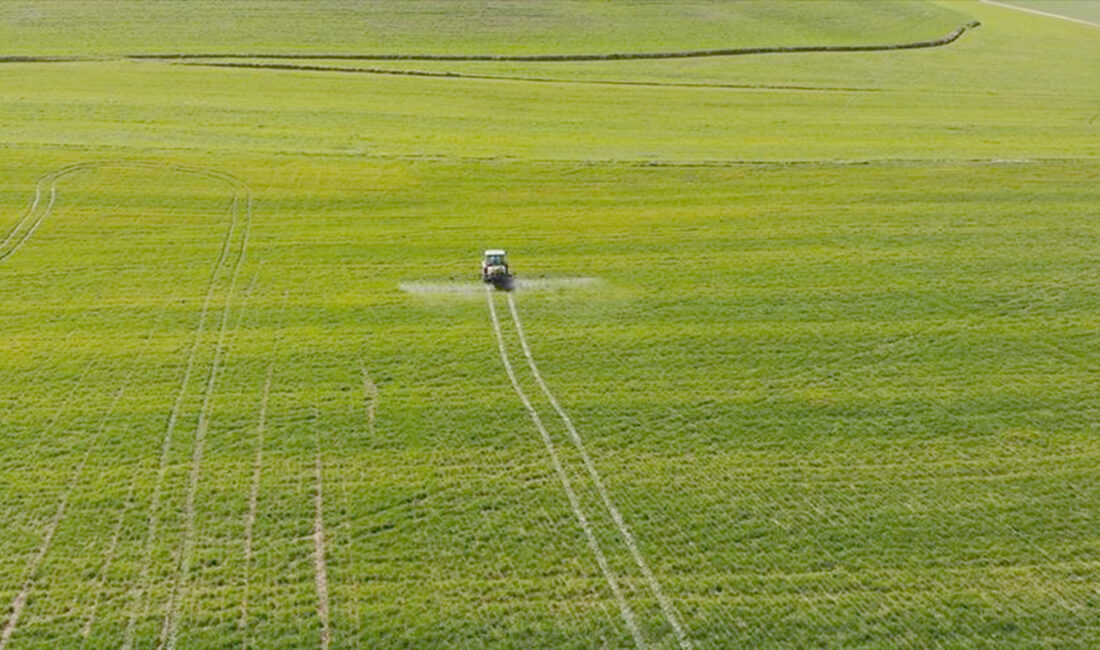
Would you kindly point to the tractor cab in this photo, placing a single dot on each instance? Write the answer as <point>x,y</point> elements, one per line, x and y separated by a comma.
<point>495,271</point>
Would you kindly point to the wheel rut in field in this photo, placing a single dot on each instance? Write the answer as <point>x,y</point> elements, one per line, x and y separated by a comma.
<point>40,210</point>
<point>320,570</point>
<point>257,476</point>
<point>32,571</point>
<point>370,399</point>
<point>612,580</point>
<point>254,493</point>
<point>605,496</point>
<point>170,627</point>
<point>109,553</point>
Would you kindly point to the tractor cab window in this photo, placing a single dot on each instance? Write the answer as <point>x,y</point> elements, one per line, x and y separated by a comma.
<point>494,260</point>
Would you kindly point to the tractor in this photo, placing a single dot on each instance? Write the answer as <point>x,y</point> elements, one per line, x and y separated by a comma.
<point>495,271</point>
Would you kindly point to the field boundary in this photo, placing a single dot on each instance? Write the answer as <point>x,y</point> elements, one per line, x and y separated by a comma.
<point>291,67</point>
<point>556,58</point>
<point>947,39</point>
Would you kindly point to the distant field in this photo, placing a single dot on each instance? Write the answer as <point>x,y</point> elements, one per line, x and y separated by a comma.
<point>1080,9</point>
<point>830,378</point>
<point>438,26</point>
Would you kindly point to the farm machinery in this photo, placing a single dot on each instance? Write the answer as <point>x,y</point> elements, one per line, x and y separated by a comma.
<point>495,271</point>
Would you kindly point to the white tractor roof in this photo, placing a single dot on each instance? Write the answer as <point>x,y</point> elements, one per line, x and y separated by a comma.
<point>494,251</point>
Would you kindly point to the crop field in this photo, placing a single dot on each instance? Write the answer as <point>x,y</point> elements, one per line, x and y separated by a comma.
<point>804,352</point>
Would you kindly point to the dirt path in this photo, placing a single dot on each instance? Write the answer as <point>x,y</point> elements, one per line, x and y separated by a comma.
<point>612,582</point>
<point>651,580</point>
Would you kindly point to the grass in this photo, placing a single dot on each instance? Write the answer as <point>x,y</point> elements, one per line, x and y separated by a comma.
<point>436,26</point>
<point>838,373</point>
<point>1087,11</point>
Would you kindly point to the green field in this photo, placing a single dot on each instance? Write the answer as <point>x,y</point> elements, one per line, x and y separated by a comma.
<point>810,340</point>
<point>1076,9</point>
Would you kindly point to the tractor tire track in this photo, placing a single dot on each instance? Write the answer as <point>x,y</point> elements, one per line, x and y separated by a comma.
<point>166,443</point>
<point>170,628</point>
<point>31,572</point>
<point>254,492</point>
<point>56,417</point>
<point>320,573</point>
<point>139,591</point>
<point>20,234</point>
<point>624,607</point>
<point>108,560</point>
<point>38,372</point>
<point>651,580</point>
<point>54,177</point>
<point>29,215</point>
<point>62,509</point>
<point>257,475</point>
<point>370,403</point>
<point>370,396</point>
<point>109,554</point>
